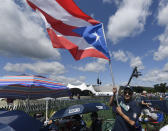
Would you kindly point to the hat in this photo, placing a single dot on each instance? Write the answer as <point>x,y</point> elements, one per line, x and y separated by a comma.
<point>144,92</point>
<point>128,87</point>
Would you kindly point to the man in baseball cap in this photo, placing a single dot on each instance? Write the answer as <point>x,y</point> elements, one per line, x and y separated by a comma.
<point>127,111</point>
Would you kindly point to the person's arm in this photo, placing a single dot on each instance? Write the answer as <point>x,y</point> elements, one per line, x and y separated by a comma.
<point>126,118</point>
<point>144,103</point>
<point>112,97</point>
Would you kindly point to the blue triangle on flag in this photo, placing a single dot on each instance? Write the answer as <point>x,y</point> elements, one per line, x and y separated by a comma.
<point>94,36</point>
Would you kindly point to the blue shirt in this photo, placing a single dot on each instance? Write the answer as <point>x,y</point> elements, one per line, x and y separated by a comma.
<point>131,110</point>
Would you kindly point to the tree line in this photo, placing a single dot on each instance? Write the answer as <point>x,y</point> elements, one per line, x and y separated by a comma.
<point>162,87</point>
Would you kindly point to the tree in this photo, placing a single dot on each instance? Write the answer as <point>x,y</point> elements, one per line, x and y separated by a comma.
<point>160,87</point>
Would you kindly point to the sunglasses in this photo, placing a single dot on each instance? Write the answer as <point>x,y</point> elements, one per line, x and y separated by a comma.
<point>127,92</point>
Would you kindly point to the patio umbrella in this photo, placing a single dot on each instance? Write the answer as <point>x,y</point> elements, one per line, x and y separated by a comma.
<point>18,121</point>
<point>4,127</point>
<point>32,87</point>
<point>79,109</point>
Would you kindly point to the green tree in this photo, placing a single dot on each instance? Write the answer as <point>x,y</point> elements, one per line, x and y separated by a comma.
<point>160,87</point>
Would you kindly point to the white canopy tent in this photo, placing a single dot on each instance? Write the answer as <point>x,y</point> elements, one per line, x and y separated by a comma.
<point>82,87</point>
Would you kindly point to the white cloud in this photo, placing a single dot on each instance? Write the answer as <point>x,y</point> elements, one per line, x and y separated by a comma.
<point>162,51</point>
<point>128,56</point>
<point>99,65</point>
<point>66,80</point>
<point>120,56</point>
<point>53,70</point>
<point>156,75</point>
<point>162,14</point>
<point>38,67</point>
<point>21,32</point>
<point>135,61</point>
<point>129,19</point>
<point>165,69</point>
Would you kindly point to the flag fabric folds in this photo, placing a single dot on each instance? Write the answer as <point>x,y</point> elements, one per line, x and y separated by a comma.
<point>70,28</point>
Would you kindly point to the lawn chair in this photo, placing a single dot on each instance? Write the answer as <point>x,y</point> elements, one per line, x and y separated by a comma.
<point>108,124</point>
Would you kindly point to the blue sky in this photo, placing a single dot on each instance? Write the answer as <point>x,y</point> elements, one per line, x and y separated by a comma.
<point>136,34</point>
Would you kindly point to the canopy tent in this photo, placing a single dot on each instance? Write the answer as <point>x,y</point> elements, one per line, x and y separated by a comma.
<point>32,87</point>
<point>82,87</point>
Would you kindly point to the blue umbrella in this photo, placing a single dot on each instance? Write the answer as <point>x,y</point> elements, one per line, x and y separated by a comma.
<point>79,109</point>
<point>4,127</point>
<point>18,121</point>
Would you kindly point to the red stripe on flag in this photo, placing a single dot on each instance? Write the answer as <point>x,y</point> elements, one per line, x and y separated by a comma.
<point>58,25</point>
<point>74,10</point>
<point>61,42</point>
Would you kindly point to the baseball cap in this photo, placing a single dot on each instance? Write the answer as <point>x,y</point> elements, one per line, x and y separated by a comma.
<point>128,87</point>
<point>144,92</point>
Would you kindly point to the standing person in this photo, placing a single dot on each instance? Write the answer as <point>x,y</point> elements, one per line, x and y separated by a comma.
<point>79,124</point>
<point>143,99</point>
<point>78,96</point>
<point>146,109</point>
<point>126,111</point>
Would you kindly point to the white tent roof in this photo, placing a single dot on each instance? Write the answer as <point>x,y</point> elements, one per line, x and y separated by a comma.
<point>82,87</point>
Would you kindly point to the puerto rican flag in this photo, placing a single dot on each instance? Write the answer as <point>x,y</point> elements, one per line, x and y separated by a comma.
<point>69,28</point>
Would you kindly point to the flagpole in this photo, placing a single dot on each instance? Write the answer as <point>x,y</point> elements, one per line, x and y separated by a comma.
<point>113,82</point>
<point>110,66</point>
<point>111,72</point>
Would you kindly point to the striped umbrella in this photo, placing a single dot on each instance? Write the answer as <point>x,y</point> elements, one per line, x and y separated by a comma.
<point>22,87</point>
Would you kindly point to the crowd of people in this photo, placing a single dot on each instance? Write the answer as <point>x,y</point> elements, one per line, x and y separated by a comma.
<point>129,113</point>
<point>74,123</point>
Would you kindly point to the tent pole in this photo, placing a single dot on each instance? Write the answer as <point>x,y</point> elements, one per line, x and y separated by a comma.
<point>46,110</point>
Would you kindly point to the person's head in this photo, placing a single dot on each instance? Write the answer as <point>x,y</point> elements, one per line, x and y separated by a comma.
<point>128,92</point>
<point>94,115</point>
<point>144,93</point>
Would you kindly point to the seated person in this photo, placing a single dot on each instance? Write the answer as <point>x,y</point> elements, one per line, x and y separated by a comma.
<point>78,123</point>
<point>39,116</point>
<point>96,123</point>
<point>53,125</point>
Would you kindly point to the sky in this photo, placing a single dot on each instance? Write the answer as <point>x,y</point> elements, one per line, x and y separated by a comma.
<point>136,33</point>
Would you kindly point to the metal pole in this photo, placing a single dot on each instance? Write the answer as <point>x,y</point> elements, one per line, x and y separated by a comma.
<point>46,110</point>
<point>133,72</point>
<point>113,82</point>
